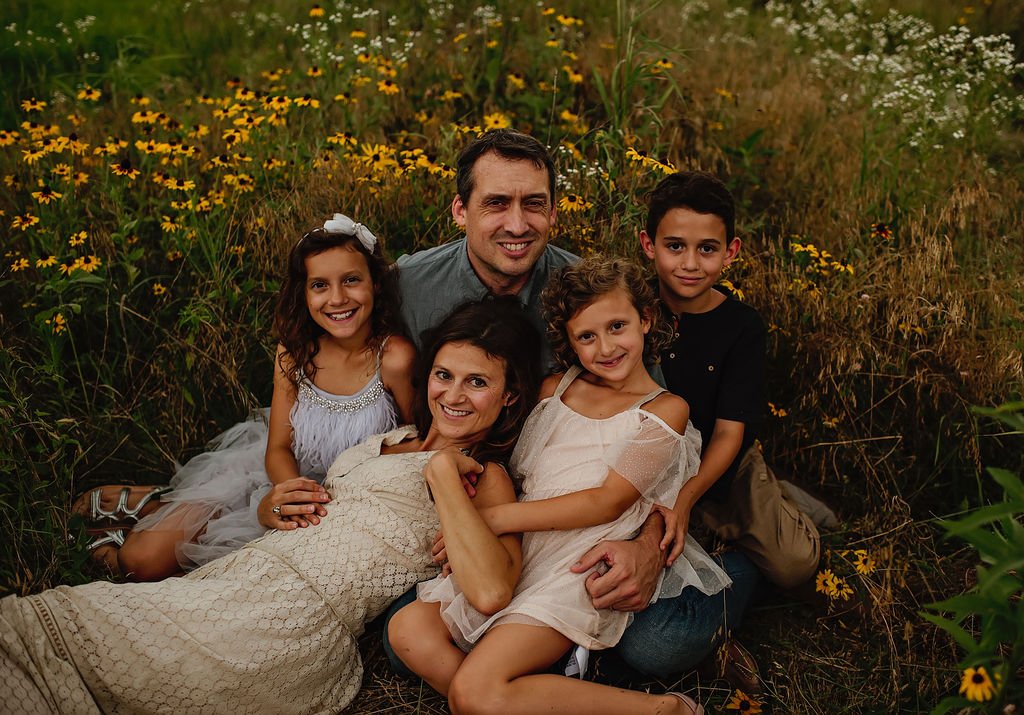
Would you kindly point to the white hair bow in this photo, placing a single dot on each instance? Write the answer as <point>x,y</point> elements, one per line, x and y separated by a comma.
<point>343,224</point>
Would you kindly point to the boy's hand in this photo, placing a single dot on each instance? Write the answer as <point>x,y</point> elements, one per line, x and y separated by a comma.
<point>676,524</point>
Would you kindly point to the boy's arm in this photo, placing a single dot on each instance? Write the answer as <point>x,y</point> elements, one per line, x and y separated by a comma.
<point>723,447</point>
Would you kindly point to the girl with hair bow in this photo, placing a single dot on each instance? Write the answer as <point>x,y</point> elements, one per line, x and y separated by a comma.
<point>342,373</point>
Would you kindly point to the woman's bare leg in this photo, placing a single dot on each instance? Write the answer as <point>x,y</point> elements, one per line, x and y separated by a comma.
<point>503,674</point>
<point>421,639</point>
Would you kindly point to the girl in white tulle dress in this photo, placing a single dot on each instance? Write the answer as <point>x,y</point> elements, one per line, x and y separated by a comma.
<point>341,374</point>
<point>604,447</point>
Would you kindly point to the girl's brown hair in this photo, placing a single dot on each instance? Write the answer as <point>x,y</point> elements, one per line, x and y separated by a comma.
<point>295,327</point>
<point>574,287</point>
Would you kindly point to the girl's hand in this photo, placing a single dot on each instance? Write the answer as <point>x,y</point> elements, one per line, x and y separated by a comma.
<point>676,524</point>
<point>299,502</point>
<point>450,460</point>
<point>440,555</point>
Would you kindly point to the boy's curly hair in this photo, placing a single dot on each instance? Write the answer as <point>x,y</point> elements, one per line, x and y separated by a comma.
<point>574,287</point>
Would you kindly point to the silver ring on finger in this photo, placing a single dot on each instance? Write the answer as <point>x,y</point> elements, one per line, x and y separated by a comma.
<point>277,510</point>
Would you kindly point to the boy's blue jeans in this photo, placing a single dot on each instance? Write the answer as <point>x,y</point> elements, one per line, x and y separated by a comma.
<point>670,637</point>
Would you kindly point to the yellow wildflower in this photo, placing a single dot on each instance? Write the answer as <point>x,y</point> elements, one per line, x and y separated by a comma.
<point>77,239</point>
<point>90,263</point>
<point>496,120</point>
<point>977,685</point>
<point>59,326</point>
<point>316,11</point>
<point>572,203</point>
<point>386,86</point>
<point>89,94</point>
<point>33,105</point>
<point>46,262</point>
<point>159,289</point>
<point>19,264</point>
<point>24,222</point>
<point>45,194</point>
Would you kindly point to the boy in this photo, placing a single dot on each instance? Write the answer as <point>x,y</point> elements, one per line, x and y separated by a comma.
<point>716,363</point>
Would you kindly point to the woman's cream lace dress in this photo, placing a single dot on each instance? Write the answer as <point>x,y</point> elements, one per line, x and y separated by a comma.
<point>269,628</point>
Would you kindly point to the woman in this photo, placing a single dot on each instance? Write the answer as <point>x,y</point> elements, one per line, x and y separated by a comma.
<point>273,626</point>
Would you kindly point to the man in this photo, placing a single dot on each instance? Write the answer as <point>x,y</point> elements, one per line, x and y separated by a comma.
<point>505,202</point>
<point>506,205</point>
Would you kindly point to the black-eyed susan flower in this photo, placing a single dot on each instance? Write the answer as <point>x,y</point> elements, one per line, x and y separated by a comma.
<point>744,703</point>
<point>271,163</point>
<point>8,137</point>
<point>19,264</point>
<point>31,156</point>
<point>61,171</point>
<point>145,117</point>
<point>342,139</point>
<point>977,685</point>
<point>180,184</point>
<point>161,177</point>
<point>234,82</point>
<point>314,71</point>
<point>386,86</point>
<point>357,34</point>
<point>729,286</point>
<point>725,94</point>
<point>46,262</point>
<point>90,263</point>
<point>316,11</point>
<point>863,562</point>
<point>235,135</point>
<point>159,289</point>
<point>174,255</point>
<point>662,65</point>
<point>572,75</point>
<point>80,178</point>
<point>277,102</point>
<point>516,80</point>
<point>185,205</point>
<point>89,94</point>
<point>496,120</point>
<point>378,157</point>
<point>77,239</point>
<point>25,222</point>
<point>33,105</point>
<point>169,225</point>
<point>307,100</point>
<point>450,95</point>
<point>57,322</point>
<point>572,203</point>
<point>881,231</point>
<point>140,100</point>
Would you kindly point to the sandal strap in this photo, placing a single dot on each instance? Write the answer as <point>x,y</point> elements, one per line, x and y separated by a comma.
<point>111,536</point>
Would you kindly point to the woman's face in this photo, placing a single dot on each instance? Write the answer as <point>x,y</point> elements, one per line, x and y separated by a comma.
<point>465,393</point>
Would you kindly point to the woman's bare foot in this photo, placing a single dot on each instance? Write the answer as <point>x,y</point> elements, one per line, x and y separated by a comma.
<point>118,503</point>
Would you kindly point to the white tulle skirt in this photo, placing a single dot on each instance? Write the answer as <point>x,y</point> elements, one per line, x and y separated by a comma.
<point>214,497</point>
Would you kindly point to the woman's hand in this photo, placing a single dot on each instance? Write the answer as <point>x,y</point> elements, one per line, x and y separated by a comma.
<point>676,524</point>
<point>450,461</point>
<point>299,502</point>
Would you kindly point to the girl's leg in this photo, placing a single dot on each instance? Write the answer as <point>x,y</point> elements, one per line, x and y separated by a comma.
<point>503,674</point>
<point>151,554</point>
<point>421,640</point>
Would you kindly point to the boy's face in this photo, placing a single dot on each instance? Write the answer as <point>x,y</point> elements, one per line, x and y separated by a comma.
<point>689,252</point>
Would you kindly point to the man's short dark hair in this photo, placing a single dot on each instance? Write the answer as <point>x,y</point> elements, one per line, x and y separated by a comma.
<point>508,144</point>
<point>695,190</point>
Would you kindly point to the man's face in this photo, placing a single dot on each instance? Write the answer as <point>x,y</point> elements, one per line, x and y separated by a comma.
<point>507,220</point>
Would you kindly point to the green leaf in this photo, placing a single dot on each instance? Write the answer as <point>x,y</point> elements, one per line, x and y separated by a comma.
<point>1010,483</point>
<point>962,637</point>
<point>984,515</point>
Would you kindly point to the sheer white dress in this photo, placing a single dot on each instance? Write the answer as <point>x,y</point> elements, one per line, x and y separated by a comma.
<point>562,451</point>
<point>214,497</point>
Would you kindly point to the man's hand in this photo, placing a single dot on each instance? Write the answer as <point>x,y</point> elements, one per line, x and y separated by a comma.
<point>633,569</point>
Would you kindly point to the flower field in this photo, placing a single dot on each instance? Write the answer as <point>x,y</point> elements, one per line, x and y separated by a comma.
<point>157,165</point>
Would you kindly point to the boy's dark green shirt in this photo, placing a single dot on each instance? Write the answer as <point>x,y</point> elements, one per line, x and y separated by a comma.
<point>716,362</point>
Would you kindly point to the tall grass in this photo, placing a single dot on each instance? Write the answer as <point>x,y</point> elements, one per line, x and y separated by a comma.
<point>876,158</point>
